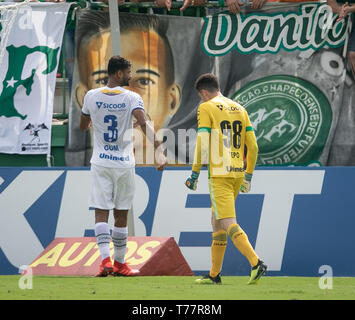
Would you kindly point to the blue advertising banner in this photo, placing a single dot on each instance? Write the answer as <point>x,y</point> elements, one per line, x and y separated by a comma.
<point>297,219</point>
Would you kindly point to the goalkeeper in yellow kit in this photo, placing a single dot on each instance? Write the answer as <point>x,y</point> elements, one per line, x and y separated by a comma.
<point>224,129</point>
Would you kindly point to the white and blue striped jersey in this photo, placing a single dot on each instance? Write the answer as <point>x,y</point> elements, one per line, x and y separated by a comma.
<point>110,110</point>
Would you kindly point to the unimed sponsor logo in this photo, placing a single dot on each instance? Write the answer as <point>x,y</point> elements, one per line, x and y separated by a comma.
<point>111,157</point>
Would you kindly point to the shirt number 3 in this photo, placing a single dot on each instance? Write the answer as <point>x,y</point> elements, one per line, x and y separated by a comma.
<point>112,134</point>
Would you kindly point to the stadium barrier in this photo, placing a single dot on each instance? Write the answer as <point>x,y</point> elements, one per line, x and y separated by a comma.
<point>298,219</point>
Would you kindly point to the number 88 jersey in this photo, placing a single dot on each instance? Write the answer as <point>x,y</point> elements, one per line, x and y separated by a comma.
<point>228,123</point>
<point>110,110</point>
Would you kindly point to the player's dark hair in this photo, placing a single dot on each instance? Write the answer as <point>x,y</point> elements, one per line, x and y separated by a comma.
<point>207,81</point>
<point>117,63</point>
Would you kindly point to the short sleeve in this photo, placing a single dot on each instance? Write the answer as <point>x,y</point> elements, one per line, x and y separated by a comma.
<point>137,102</point>
<point>203,118</point>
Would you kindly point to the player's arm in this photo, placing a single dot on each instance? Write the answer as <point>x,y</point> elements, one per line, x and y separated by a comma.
<point>252,155</point>
<point>201,154</point>
<point>252,150</point>
<point>149,131</point>
<point>85,119</point>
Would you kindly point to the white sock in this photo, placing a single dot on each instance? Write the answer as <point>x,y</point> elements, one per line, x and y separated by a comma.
<point>119,239</point>
<point>103,238</point>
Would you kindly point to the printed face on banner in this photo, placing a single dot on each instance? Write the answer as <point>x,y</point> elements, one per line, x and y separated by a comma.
<point>150,75</point>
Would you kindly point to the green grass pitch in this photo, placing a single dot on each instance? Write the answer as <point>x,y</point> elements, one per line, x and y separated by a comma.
<point>174,288</point>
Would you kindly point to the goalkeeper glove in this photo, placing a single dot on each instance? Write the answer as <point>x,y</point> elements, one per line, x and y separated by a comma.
<point>245,186</point>
<point>191,182</point>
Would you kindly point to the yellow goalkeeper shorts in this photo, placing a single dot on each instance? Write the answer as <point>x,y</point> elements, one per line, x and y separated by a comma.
<point>223,193</point>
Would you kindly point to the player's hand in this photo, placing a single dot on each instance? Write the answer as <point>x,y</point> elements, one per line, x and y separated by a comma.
<point>161,166</point>
<point>245,186</point>
<point>191,182</point>
<point>160,159</point>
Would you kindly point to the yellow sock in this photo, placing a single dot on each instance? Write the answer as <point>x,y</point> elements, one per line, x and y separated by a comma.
<point>218,247</point>
<point>241,241</point>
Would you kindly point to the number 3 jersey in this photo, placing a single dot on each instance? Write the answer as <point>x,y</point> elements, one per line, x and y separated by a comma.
<point>110,110</point>
<point>224,129</point>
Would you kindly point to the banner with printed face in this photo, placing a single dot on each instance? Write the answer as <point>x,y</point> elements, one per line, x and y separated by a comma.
<point>28,76</point>
<point>286,64</point>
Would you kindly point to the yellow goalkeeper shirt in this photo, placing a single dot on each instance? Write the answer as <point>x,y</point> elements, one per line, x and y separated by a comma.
<point>224,129</point>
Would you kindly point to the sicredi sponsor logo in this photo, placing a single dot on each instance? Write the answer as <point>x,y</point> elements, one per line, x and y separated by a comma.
<point>110,106</point>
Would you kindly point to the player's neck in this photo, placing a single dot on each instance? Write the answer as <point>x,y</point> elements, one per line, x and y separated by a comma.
<point>112,83</point>
<point>210,95</point>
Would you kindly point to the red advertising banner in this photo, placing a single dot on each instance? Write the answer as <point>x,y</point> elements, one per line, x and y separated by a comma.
<point>152,256</point>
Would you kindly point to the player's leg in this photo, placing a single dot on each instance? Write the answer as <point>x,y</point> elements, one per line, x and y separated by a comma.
<point>220,197</point>
<point>218,246</point>
<point>124,193</point>
<point>102,232</point>
<point>241,242</point>
<point>119,234</point>
<point>103,239</point>
<point>101,189</point>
